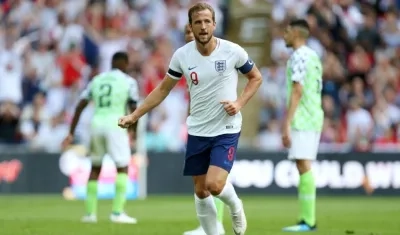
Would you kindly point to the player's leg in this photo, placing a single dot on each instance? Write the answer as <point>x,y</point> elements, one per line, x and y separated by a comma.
<point>119,149</point>
<point>197,160</point>
<point>304,150</point>
<point>223,154</point>
<point>96,153</point>
<point>220,218</point>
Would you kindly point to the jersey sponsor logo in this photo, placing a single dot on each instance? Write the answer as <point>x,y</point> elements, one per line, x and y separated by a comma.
<point>220,66</point>
<point>191,68</point>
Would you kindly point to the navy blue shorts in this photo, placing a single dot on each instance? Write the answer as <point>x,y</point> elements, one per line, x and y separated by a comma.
<point>201,152</point>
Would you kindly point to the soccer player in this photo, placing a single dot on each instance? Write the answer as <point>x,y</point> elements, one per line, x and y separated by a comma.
<point>111,92</point>
<point>303,124</point>
<point>218,203</point>
<point>210,66</point>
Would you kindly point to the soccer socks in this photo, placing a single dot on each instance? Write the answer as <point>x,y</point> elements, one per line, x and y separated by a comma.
<point>207,214</point>
<point>120,193</point>
<point>307,196</point>
<point>230,198</point>
<point>220,209</point>
<point>91,197</point>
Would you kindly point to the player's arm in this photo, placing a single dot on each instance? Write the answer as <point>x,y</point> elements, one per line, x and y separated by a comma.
<point>133,101</point>
<point>160,92</point>
<point>298,77</point>
<point>83,102</point>
<point>247,67</point>
<point>155,97</point>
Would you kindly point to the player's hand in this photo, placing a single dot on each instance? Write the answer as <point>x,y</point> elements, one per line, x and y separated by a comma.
<point>286,140</point>
<point>231,107</point>
<point>67,141</point>
<point>127,121</point>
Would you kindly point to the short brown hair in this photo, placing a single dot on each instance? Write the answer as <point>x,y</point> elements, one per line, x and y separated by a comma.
<point>201,6</point>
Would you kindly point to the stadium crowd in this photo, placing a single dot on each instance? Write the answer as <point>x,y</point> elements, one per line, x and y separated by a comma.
<point>51,48</point>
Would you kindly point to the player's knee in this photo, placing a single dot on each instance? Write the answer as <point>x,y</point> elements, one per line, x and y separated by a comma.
<point>95,173</point>
<point>200,188</point>
<point>122,169</point>
<point>215,187</point>
<point>303,166</point>
<point>202,193</point>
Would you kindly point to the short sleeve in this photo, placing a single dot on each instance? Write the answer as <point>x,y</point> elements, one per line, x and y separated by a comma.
<point>133,90</point>
<point>174,69</point>
<point>299,68</point>
<point>87,92</point>
<point>244,64</point>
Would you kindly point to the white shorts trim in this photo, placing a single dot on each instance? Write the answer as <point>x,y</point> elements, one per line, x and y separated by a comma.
<point>112,142</point>
<point>304,145</point>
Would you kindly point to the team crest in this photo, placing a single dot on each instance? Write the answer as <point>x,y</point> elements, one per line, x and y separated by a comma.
<point>220,66</point>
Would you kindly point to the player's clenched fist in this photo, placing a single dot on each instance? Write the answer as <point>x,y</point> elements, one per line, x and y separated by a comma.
<point>67,141</point>
<point>126,121</point>
<point>231,107</point>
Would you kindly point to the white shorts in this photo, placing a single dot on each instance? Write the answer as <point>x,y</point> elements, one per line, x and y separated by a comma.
<point>304,145</point>
<point>113,142</point>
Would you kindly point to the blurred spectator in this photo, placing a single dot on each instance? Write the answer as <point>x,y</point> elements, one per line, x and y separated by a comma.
<point>334,75</point>
<point>51,134</point>
<point>359,125</point>
<point>350,16</point>
<point>71,64</point>
<point>328,105</point>
<point>329,133</point>
<point>33,117</point>
<point>30,85</point>
<point>368,36</point>
<point>9,114</point>
<point>272,96</point>
<point>391,29</point>
<point>279,51</point>
<point>359,62</point>
<point>11,72</point>
<point>384,74</point>
<point>363,94</point>
<point>270,138</point>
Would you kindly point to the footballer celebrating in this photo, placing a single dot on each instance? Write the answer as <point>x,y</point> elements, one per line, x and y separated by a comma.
<point>111,93</point>
<point>210,66</point>
<point>303,124</point>
<point>218,203</point>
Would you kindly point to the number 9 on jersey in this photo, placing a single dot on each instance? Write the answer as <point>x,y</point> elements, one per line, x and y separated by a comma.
<point>194,78</point>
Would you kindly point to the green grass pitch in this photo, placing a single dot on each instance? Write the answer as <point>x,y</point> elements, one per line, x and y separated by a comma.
<point>172,215</point>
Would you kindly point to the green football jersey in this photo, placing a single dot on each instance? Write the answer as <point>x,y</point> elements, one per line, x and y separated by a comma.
<point>110,93</point>
<point>304,66</point>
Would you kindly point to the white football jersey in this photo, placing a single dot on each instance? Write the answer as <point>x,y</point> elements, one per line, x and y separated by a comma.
<point>211,79</point>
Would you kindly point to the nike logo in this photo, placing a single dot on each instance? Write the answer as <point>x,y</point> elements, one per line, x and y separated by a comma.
<point>190,68</point>
<point>251,62</point>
